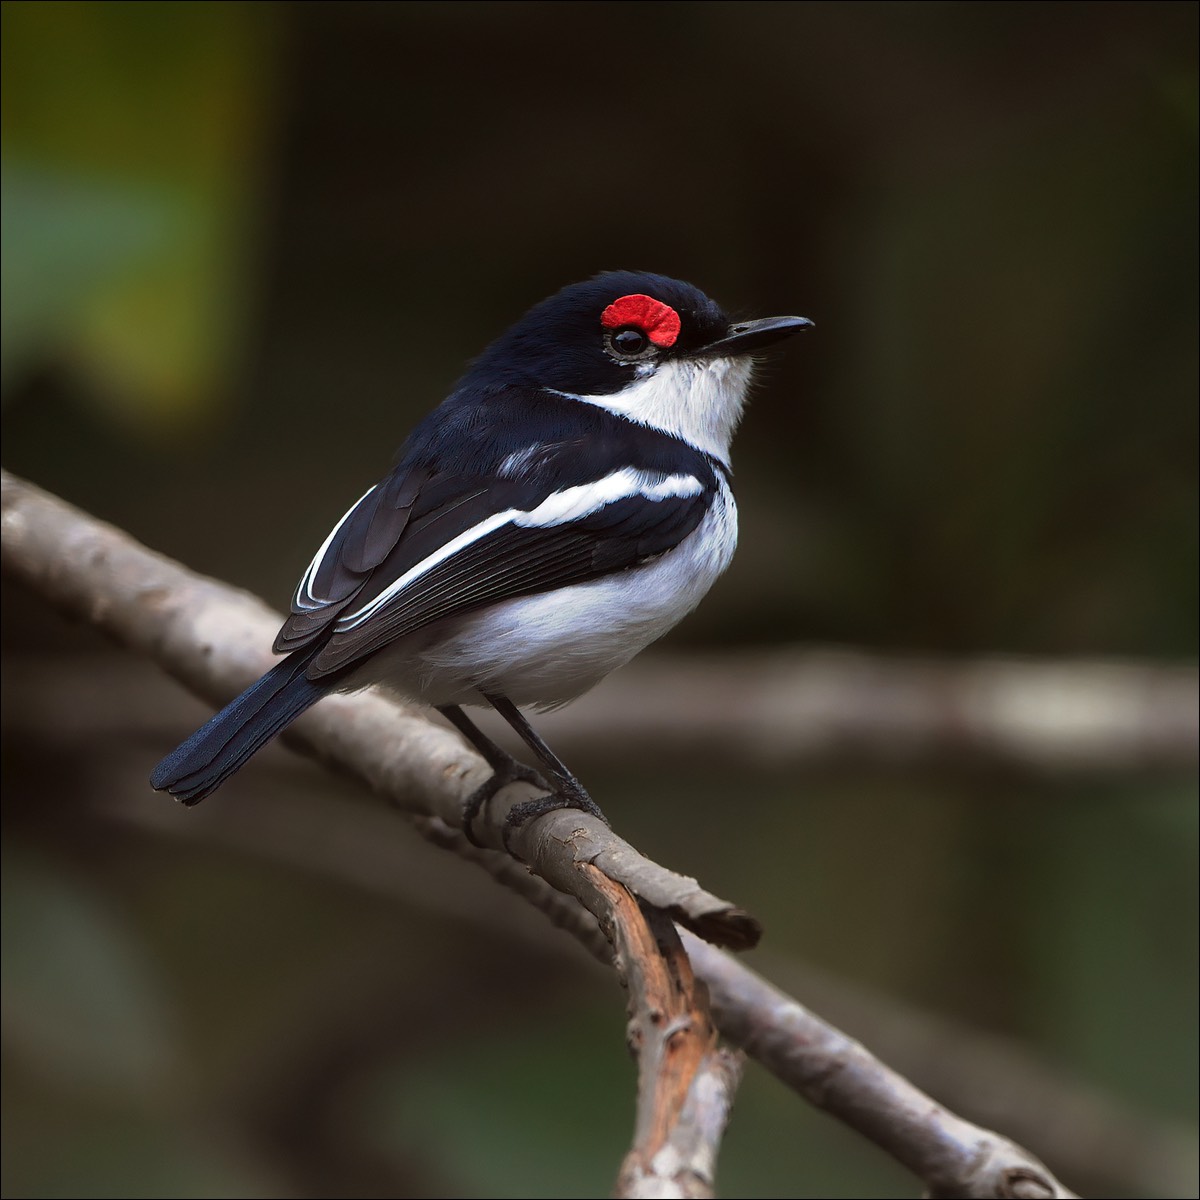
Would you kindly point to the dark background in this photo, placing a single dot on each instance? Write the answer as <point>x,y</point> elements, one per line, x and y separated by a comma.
<point>247,246</point>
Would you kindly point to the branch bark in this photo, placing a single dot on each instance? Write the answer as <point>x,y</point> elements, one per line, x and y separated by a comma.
<point>212,638</point>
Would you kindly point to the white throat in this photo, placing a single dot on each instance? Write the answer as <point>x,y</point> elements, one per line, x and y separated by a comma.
<point>699,401</point>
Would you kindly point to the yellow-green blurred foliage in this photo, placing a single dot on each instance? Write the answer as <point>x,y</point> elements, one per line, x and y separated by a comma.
<point>133,147</point>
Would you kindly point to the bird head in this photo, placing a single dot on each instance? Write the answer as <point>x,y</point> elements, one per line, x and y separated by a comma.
<point>655,350</point>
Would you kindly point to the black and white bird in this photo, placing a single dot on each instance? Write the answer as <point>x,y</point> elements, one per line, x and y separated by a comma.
<point>567,504</point>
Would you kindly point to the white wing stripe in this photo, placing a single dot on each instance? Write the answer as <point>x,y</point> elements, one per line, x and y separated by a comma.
<point>304,598</point>
<point>574,503</point>
<point>559,508</point>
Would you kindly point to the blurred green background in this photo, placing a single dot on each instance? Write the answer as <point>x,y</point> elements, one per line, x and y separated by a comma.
<point>246,246</point>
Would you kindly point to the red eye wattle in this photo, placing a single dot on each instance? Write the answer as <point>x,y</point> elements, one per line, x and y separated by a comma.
<point>658,321</point>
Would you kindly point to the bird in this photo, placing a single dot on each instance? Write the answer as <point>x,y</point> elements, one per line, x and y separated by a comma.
<point>564,506</point>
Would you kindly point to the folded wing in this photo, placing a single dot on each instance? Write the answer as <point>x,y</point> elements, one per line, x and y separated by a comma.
<point>418,548</point>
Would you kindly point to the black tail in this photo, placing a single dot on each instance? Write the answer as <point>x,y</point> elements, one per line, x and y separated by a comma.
<point>218,748</point>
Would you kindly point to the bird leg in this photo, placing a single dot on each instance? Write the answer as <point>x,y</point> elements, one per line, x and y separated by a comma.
<point>569,793</point>
<point>505,769</point>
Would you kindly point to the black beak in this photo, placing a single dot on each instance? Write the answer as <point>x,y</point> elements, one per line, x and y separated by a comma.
<point>747,336</point>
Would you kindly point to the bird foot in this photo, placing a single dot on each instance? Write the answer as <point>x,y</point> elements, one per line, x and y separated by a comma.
<point>509,772</point>
<point>566,796</point>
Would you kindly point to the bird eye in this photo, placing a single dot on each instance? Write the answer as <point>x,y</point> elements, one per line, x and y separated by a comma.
<point>629,342</point>
<point>637,327</point>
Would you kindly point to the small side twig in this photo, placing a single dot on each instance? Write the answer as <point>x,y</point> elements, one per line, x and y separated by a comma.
<point>685,1082</point>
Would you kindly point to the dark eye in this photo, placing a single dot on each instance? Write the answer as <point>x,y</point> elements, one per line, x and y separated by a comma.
<point>630,342</point>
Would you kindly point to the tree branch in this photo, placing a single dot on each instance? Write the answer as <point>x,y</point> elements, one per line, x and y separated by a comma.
<point>211,638</point>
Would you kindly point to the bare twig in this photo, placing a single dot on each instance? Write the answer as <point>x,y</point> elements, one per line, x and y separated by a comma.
<point>212,638</point>
<point>685,1083</point>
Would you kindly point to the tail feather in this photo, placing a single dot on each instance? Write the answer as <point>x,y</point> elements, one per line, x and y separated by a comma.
<point>227,741</point>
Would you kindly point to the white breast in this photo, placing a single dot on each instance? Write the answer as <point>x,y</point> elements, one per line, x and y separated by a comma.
<point>547,649</point>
